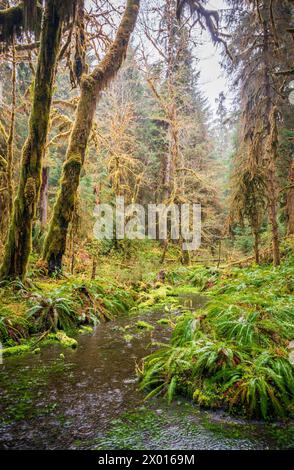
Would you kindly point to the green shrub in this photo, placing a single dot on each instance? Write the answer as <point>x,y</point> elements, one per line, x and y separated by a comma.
<point>233,352</point>
<point>50,313</point>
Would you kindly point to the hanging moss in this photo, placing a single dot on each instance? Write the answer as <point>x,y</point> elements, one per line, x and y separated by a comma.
<point>27,17</point>
<point>22,18</point>
<point>91,88</point>
<point>4,199</point>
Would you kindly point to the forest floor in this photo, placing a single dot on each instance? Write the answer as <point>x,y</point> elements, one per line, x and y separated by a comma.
<point>234,352</point>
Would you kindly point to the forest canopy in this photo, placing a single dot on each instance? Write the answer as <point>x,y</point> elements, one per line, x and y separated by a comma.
<point>114,115</point>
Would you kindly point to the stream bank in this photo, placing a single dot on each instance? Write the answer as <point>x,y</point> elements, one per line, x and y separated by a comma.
<point>88,398</point>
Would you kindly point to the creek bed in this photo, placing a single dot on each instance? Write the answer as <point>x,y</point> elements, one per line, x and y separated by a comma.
<point>89,399</point>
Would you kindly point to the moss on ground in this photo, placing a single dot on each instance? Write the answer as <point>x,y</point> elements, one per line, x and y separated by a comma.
<point>234,352</point>
<point>29,314</point>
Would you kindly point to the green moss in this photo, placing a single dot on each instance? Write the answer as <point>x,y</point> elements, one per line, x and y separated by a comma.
<point>128,338</point>
<point>131,430</point>
<point>143,325</point>
<point>86,330</point>
<point>163,321</point>
<point>66,341</point>
<point>233,352</point>
<point>15,350</point>
<point>20,389</point>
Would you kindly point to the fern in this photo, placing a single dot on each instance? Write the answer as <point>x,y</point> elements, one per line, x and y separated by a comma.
<point>52,313</point>
<point>172,389</point>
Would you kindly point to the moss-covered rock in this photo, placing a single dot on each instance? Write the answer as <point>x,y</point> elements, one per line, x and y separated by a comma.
<point>86,330</point>
<point>15,350</point>
<point>66,341</point>
<point>143,325</point>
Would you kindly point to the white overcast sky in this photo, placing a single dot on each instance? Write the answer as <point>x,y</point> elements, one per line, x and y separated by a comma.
<point>212,79</point>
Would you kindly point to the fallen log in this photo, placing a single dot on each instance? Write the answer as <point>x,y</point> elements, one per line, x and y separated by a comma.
<point>249,259</point>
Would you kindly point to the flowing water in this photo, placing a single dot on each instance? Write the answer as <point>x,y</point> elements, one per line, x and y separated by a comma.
<point>89,399</point>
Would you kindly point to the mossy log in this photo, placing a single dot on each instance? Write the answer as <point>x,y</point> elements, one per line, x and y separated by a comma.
<point>91,88</point>
<point>18,245</point>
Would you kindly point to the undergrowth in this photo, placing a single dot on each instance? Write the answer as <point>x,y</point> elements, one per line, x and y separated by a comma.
<point>47,307</point>
<point>234,352</point>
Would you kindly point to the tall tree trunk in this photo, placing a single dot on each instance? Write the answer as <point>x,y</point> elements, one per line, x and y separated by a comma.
<point>80,54</point>
<point>271,144</point>
<point>43,203</point>
<point>4,203</point>
<point>273,216</point>
<point>18,245</point>
<point>256,245</point>
<point>10,141</point>
<point>94,268</point>
<point>91,88</point>
<point>272,188</point>
<point>290,200</point>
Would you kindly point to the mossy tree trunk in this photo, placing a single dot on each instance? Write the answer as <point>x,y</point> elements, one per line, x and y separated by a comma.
<point>272,186</point>
<point>271,150</point>
<point>18,245</point>
<point>91,88</point>
<point>4,202</point>
<point>256,245</point>
<point>43,204</point>
<point>273,215</point>
<point>10,140</point>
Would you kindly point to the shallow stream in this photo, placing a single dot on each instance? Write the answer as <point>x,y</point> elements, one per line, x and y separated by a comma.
<point>88,398</point>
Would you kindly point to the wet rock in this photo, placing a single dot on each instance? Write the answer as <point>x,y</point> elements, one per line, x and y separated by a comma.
<point>66,341</point>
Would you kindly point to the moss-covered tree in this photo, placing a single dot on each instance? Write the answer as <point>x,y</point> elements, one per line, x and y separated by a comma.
<point>91,87</point>
<point>248,200</point>
<point>18,244</point>
<point>16,20</point>
<point>259,45</point>
<point>4,202</point>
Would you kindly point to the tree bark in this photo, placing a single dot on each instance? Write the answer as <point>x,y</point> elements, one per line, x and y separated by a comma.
<point>91,88</point>
<point>94,268</point>
<point>10,141</point>
<point>273,216</point>
<point>271,151</point>
<point>18,245</point>
<point>272,187</point>
<point>4,202</point>
<point>256,246</point>
<point>43,204</point>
